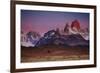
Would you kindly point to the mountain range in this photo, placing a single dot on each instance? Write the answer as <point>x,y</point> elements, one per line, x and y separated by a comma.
<point>70,36</point>
<point>52,38</point>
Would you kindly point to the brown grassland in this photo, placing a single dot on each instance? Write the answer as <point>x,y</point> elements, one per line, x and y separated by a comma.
<point>53,53</point>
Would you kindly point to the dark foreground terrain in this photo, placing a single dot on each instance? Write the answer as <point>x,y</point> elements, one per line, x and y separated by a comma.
<point>53,53</point>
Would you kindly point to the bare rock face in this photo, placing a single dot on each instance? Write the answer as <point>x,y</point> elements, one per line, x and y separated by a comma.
<point>75,25</point>
<point>66,28</point>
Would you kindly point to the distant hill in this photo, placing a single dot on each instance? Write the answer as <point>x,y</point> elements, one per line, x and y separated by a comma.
<point>30,39</point>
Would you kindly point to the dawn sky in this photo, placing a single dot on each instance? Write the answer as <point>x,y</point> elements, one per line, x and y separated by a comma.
<point>42,21</point>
